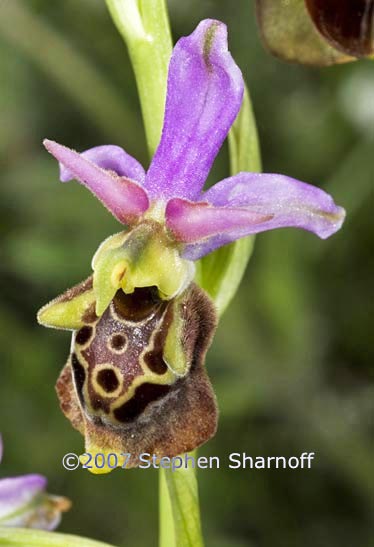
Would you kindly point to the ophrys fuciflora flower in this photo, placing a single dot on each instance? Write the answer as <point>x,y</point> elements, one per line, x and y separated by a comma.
<point>135,380</point>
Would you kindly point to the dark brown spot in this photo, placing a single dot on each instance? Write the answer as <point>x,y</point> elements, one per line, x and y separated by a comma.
<point>155,362</point>
<point>348,25</point>
<point>83,335</point>
<point>99,403</point>
<point>144,394</point>
<point>107,379</point>
<point>118,342</point>
<point>89,315</point>
<point>154,358</point>
<point>79,375</point>
<point>137,305</point>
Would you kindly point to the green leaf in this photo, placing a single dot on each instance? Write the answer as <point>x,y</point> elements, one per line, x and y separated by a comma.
<point>179,504</point>
<point>19,537</point>
<point>221,272</point>
<point>144,26</point>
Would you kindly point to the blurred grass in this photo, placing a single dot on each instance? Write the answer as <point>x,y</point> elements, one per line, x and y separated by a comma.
<point>292,361</point>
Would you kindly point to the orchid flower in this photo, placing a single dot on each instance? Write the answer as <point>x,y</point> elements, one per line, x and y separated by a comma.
<point>118,370</point>
<point>24,502</point>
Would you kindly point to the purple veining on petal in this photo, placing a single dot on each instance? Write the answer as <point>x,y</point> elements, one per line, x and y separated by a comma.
<point>204,94</point>
<point>113,158</point>
<point>284,201</point>
<point>16,492</point>
<point>124,198</point>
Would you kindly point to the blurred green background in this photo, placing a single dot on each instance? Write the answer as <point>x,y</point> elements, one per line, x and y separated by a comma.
<point>292,362</point>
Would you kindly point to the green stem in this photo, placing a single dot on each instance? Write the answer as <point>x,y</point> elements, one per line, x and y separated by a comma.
<point>144,25</point>
<point>180,524</point>
<point>166,515</point>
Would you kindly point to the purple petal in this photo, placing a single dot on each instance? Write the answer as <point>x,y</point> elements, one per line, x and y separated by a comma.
<point>112,158</point>
<point>228,210</point>
<point>192,222</point>
<point>204,94</point>
<point>124,198</point>
<point>17,492</point>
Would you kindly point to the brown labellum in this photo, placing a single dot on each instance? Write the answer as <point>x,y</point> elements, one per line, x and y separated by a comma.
<point>135,381</point>
<point>348,25</point>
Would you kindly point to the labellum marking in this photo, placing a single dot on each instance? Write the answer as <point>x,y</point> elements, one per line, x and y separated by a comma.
<point>144,394</point>
<point>117,388</point>
<point>107,379</point>
<point>83,335</point>
<point>118,342</point>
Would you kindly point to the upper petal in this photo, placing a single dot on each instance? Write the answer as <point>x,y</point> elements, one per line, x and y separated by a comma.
<point>204,94</point>
<point>123,197</point>
<point>249,203</point>
<point>111,157</point>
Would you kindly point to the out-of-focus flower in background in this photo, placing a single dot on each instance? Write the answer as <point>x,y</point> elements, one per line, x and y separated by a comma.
<point>317,32</point>
<point>24,502</point>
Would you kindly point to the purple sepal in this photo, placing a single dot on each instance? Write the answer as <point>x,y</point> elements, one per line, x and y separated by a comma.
<point>279,201</point>
<point>112,158</point>
<point>204,94</point>
<point>124,198</point>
